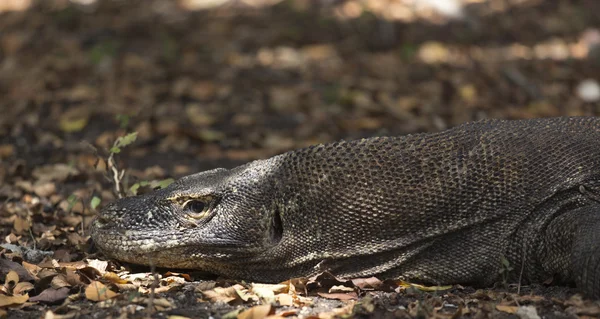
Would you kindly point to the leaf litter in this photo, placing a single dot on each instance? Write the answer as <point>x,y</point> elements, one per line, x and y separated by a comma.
<point>93,86</point>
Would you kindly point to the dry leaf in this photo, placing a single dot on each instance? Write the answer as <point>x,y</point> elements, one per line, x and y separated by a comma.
<point>339,296</point>
<point>12,278</point>
<point>228,295</point>
<point>114,278</point>
<point>21,225</point>
<point>7,301</point>
<point>283,314</point>
<point>423,288</point>
<point>44,189</point>
<point>276,288</point>
<point>265,294</point>
<point>23,288</point>
<point>54,172</point>
<point>256,312</point>
<point>507,309</point>
<point>370,283</point>
<point>100,265</point>
<point>60,281</point>
<point>32,268</point>
<point>51,295</point>
<point>284,299</point>
<point>187,277</point>
<point>96,291</point>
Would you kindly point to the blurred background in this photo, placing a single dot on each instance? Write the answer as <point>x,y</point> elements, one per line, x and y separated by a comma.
<point>210,83</point>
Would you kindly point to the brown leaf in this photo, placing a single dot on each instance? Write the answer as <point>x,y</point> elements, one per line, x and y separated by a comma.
<point>507,309</point>
<point>21,225</point>
<point>6,150</point>
<point>12,278</point>
<point>276,288</point>
<point>52,295</point>
<point>284,299</point>
<point>370,283</point>
<point>54,172</point>
<point>96,291</point>
<point>182,275</point>
<point>8,265</point>
<point>73,265</point>
<point>74,120</point>
<point>234,294</point>
<point>339,296</point>
<point>283,314</point>
<point>33,269</point>
<point>99,265</point>
<point>44,189</point>
<point>7,301</point>
<point>114,278</point>
<point>60,281</point>
<point>325,281</point>
<point>22,288</point>
<point>256,312</point>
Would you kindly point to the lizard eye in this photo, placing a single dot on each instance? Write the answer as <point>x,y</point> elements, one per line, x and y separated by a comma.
<point>196,209</point>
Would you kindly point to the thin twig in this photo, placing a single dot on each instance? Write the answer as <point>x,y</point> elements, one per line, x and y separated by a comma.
<point>152,287</point>
<point>521,274</point>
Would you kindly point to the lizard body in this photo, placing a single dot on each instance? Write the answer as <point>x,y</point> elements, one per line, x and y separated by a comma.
<point>438,208</point>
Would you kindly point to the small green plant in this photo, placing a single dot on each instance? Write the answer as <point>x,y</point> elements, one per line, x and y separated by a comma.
<point>95,202</point>
<point>103,49</point>
<point>158,184</point>
<point>117,174</point>
<point>123,120</point>
<point>505,270</point>
<point>72,200</point>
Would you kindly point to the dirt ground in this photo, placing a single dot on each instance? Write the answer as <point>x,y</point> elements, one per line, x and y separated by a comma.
<point>216,87</point>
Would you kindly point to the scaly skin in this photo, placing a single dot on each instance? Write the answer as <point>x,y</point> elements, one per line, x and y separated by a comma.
<point>439,208</point>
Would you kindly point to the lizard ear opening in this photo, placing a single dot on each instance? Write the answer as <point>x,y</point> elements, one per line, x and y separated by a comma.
<point>276,230</point>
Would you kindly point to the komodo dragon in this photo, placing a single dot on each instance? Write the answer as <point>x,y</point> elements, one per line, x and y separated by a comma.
<point>438,208</point>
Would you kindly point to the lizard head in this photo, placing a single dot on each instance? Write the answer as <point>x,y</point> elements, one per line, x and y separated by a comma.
<point>197,222</point>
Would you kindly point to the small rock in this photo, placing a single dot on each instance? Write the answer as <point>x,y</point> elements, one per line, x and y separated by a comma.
<point>527,312</point>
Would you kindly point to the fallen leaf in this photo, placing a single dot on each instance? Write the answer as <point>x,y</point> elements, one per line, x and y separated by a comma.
<point>100,265</point>
<point>283,314</point>
<point>325,281</point>
<point>276,288</point>
<point>74,120</point>
<point>182,275</point>
<point>52,295</point>
<point>12,278</point>
<point>256,312</point>
<point>8,265</point>
<point>507,309</point>
<point>7,301</point>
<point>6,150</point>
<point>265,294</point>
<point>44,189</point>
<point>424,288</point>
<point>370,283</point>
<point>54,172</point>
<point>284,299</point>
<point>21,225</point>
<point>22,288</point>
<point>528,312</point>
<point>96,291</point>
<point>114,278</point>
<point>228,295</point>
<point>340,289</point>
<point>339,296</point>
<point>60,281</point>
